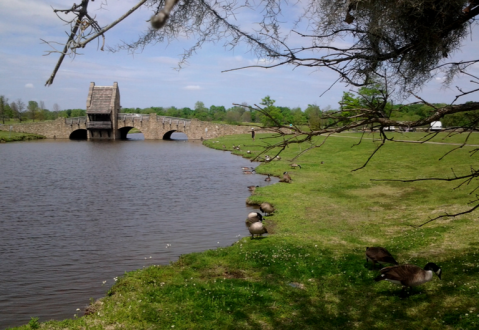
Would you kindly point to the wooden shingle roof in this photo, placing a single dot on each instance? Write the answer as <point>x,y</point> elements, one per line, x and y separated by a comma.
<point>101,100</point>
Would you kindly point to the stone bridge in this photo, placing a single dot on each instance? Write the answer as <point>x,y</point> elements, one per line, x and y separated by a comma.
<point>152,126</point>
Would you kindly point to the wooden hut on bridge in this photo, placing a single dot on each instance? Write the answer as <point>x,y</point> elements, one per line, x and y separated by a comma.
<point>102,108</point>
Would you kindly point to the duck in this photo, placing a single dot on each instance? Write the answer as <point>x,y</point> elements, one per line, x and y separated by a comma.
<point>294,165</point>
<point>257,228</point>
<point>248,152</point>
<point>378,255</point>
<point>287,177</point>
<point>268,178</point>
<point>244,168</point>
<point>252,188</point>
<point>252,218</point>
<point>409,275</point>
<point>248,172</point>
<point>266,207</point>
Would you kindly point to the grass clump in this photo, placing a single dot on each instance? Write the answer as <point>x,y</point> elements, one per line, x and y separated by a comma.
<point>311,273</point>
<point>6,136</point>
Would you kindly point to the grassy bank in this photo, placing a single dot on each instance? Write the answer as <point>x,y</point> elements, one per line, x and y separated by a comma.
<point>6,136</point>
<point>310,272</point>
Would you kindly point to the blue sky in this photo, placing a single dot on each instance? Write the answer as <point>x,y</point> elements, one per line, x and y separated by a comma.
<point>148,78</point>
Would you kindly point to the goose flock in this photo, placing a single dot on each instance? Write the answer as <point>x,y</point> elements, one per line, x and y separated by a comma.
<point>254,221</point>
<point>405,275</point>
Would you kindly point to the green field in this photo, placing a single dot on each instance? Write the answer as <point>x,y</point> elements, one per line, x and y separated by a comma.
<point>6,136</point>
<point>310,272</point>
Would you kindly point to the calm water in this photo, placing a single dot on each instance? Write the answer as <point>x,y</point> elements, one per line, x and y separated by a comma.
<point>74,214</point>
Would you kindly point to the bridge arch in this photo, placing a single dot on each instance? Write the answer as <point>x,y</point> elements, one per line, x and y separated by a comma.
<point>168,135</point>
<point>125,130</point>
<point>78,134</point>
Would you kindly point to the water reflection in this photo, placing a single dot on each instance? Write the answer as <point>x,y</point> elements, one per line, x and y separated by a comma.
<point>176,136</point>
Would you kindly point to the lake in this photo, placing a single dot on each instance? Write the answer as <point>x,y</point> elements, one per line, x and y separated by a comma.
<point>74,214</point>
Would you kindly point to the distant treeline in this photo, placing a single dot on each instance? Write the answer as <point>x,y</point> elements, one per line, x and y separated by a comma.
<point>313,115</point>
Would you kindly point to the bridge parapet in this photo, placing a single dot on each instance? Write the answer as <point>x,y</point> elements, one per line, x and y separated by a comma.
<point>132,116</point>
<point>75,120</point>
<point>173,121</point>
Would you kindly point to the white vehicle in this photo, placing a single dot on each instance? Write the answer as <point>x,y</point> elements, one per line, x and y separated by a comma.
<point>436,126</point>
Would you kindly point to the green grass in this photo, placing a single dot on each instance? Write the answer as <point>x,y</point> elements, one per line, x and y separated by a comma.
<point>6,136</point>
<point>422,136</point>
<point>134,130</point>
<point>310,272</point>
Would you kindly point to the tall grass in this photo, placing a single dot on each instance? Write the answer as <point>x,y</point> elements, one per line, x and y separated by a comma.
<point>310,273</point>
<point>6,136</point>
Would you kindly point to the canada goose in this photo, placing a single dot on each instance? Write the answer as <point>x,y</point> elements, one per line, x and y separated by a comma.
<point>224,147</point>
<point>266,208</point>
<point>378,255</point>
<point>287,177</point>
<point>285,180</point>
<point>252,188</point>
<point>255,215</point>
<point>244,168</point>
<point>295,165</point>
<point>257,228</point>
<point>252,218</point>
<point>277,157</point>
<point>409,275</point>
<point>267,158</point>
<point>248,152</point>
<point>268,178</point>
<point>248,172</point>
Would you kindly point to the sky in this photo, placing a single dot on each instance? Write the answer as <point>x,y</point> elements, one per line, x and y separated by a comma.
<point>149,78</point>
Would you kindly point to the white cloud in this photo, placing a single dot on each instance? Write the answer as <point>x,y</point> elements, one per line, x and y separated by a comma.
<point>192,87</point>
<point>29,85</point>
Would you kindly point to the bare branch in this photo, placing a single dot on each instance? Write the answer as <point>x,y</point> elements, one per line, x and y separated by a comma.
<point>448,215</point>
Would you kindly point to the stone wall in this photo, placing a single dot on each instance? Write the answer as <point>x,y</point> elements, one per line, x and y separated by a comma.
<point>55,129</point>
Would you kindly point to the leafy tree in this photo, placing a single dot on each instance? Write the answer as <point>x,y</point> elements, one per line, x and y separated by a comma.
<point>32,109</point>
<point>246,117</point>
<point>287,115</point>
<point>18,108</point>
<point>217,112</point>
<point>201,112</point>
<point>41,111</point>
<point>148,111</point>
<point>186,113</point>
<point>313,114</point>
<point>233,117</point>
<point>299,117</point>
<point>271,115</point>
<point>3,108</point>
